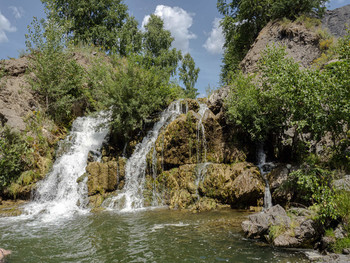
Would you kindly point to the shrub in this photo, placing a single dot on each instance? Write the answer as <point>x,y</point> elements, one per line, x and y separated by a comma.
<point>13,149</point>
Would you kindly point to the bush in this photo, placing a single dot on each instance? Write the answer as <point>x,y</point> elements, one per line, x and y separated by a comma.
<point>58,78</point>
<point>13,149</point>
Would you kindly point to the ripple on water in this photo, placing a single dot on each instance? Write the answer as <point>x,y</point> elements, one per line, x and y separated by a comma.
<point>148,236</point>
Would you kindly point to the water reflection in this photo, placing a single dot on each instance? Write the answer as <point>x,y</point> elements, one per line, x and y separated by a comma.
<point>147,236</point>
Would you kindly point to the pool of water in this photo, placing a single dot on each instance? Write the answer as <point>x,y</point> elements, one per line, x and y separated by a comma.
<point>148,236</point>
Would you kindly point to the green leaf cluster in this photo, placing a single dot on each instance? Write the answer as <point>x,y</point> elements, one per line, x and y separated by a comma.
<point>284,96</point>
<point>58,78</point>
<point>13,149</point>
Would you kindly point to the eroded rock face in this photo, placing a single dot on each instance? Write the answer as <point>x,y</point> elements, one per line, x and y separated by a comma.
<point>238,185</point>
<point>301,44</point>
<point>105,177</point>
<point>337,20</point>
<point>17,101</point>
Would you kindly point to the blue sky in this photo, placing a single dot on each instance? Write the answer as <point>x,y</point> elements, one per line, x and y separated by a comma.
<point>193,23</point>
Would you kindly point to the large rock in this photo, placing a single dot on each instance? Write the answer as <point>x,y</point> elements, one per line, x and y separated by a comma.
<point>105,177</point>
<point>258,224</point>
<point>17,101</point>
<point>301,43</point>
<point>342,184</point>
<point>238,185</point>
<point>337,21</point>
<point>276,227</point>
<point>182,142</point>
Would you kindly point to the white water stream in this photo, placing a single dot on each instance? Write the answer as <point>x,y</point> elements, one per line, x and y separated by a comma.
<point>201,141</point>
<point>131,197</point>
<point>265,168</point>
<point>59,194</point>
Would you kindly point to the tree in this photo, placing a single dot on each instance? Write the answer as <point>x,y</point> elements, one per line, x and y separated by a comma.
<point>245,18</point>
<point>90,21</point>
<point>189,75</point>
<point>58,78</point>
<point>157,46</point>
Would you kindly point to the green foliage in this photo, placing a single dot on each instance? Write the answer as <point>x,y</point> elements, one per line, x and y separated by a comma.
<point>133,92</point>
<point>189,75</point>
<point>13,149</point>
<point>286,96</point>
<point>58,77</point>
<point>157,47</point>
<point>340,244</point>
<point>312,183</point>
<point>243,20</point>
<point>90,22</point>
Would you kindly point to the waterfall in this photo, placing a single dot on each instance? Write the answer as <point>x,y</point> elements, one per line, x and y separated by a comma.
<point>201,141</point>
<point>200,175</point>
<point>59,194</point>
<point>265,168</point>
<point>131,198</point>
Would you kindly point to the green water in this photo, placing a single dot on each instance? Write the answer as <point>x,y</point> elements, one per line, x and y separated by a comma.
<point>148,236</point>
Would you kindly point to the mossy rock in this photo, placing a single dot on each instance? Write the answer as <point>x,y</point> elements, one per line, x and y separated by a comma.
<point>239,185</point>
<point>11,208</point>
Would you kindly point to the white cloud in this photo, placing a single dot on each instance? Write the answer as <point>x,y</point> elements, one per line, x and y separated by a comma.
<point>215,42</point>
<point>178,22</point>
<point>5,26</point>
<point>17,11</point>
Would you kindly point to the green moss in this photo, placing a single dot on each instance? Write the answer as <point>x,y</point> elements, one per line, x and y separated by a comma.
<point>341,244</point>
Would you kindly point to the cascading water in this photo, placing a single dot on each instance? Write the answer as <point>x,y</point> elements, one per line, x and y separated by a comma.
<point>201,141</point>
<point>200,175</point>
<point>265,168</point>
<point>59,194</point>
<point>131,198</point>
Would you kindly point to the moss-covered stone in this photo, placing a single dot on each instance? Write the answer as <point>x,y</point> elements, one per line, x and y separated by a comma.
<point>239,185</point>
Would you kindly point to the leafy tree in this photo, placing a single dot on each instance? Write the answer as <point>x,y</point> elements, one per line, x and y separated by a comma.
<point>157,46</point>
<point>132,91</point>
<point>130,38</point>
<point>285,96</point>
<point>12,156</point>
<point>90,21</point>
<point>58,78</point>
<point>189,75</point>
<point>245,18</point>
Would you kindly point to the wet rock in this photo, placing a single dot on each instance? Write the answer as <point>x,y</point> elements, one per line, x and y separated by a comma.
<point>239,185</point>
<point>105,177</point>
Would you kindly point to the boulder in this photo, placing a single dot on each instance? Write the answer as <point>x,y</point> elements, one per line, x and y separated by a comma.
<point>239,185</point>
<point>342,184</point>
<point>301,43</point>
<point>209,185</point>
<point>257,226</point>
<point>337,20</point>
